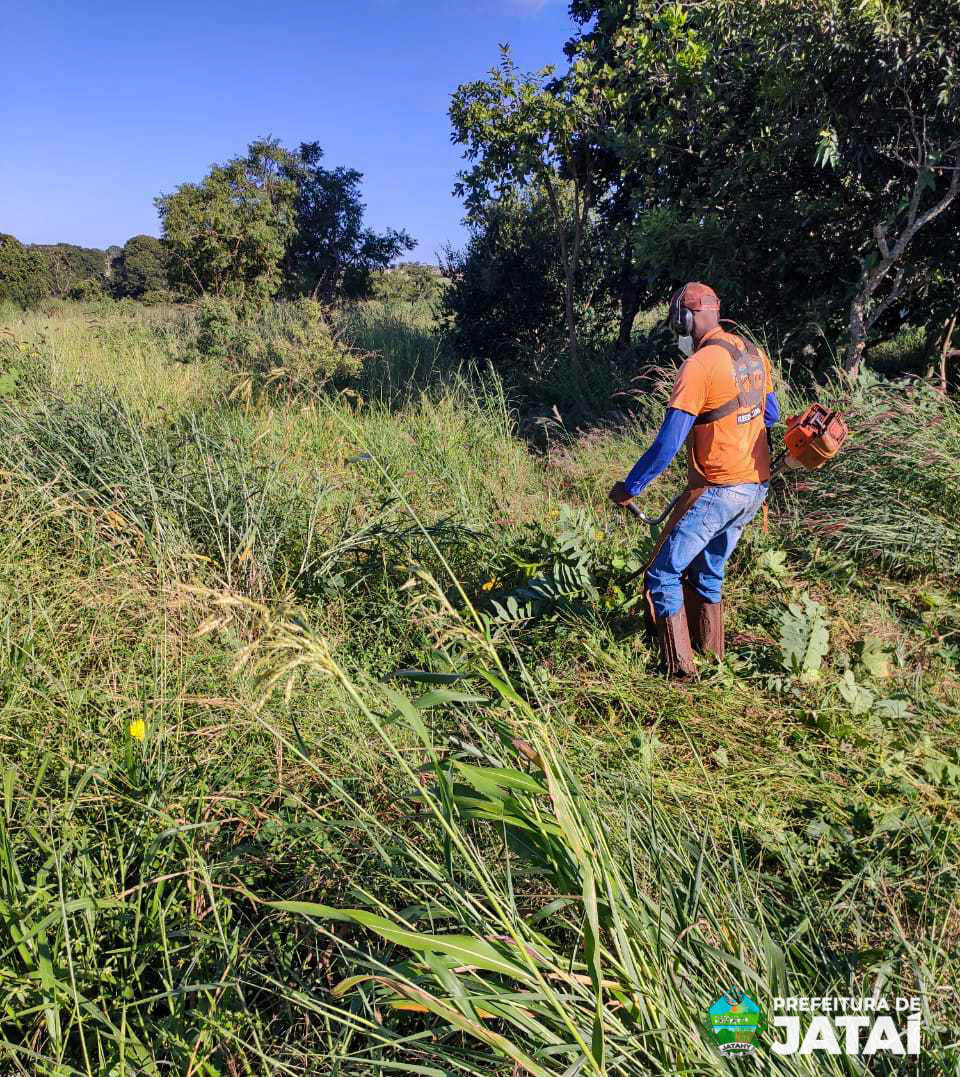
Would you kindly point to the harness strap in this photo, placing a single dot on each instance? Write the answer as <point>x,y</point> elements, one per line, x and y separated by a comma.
<point>721,412</point>
<point>715,414</point>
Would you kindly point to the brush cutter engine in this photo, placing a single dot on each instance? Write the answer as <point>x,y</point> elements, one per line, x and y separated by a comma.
<point>813,437</point>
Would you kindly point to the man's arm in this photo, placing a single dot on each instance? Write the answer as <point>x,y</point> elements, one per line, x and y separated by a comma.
<point>673,433</point>
<point>771,410</point>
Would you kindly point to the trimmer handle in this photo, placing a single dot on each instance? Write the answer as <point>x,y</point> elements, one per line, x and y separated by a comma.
<point>653,521</point>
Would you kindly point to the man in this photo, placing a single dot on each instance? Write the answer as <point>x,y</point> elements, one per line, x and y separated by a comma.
<point>722,404</point>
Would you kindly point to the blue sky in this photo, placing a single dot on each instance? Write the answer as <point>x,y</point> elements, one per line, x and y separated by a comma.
<point>105,105</point>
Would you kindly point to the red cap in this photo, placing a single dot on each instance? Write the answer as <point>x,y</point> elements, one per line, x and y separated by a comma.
<point>697,296</point>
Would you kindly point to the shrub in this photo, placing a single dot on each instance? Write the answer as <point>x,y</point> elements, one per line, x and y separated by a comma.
<point>281,346</point>
<point>410,282</point>
<point>88,290</point>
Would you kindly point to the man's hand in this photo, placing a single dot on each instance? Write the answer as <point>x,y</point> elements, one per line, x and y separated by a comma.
<point>619,496</point>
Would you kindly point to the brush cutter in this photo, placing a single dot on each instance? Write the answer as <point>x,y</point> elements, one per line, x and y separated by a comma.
<point>813,437</point>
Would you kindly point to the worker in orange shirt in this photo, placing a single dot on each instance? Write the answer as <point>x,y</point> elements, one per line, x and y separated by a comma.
<point>722,404</point>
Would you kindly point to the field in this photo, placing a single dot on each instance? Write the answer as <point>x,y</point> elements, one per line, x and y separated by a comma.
<point>332,744</point>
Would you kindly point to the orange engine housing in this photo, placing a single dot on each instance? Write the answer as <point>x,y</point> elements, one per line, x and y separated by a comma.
<point>815,436</point>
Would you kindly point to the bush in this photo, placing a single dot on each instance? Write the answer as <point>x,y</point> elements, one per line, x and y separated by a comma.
<point>88,290</point>
<point>410,282</point>
<point>281,346</point>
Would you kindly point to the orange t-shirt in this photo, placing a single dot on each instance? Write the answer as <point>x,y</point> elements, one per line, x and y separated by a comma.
<point>732,449</point>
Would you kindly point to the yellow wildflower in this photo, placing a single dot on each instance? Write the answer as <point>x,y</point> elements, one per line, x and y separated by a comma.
<point>138,729</point>
<point>598,535</point>
<point>489,585</point>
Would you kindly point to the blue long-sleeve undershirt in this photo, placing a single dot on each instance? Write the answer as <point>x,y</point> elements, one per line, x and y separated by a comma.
<point>672,434</point>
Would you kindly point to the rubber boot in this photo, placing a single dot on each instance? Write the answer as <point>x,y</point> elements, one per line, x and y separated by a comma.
<point>691,605</point>
<point>710,629</point>
<point>705,620</point>
<point>674,636</point>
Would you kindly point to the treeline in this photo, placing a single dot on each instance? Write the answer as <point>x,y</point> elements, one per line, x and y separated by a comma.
<point>803,157</point>
<point>272,223</point>
<point>32,272</point>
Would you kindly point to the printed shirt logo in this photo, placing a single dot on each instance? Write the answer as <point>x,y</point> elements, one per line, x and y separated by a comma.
<point>735,1021</point>
<point>749,374</point>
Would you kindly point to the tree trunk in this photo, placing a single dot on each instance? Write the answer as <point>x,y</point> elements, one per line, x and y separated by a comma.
<point>629,309</point>
<point>570,313</point>
<point>569,269</point>
<point>858,336</point>
<point>863,314</point>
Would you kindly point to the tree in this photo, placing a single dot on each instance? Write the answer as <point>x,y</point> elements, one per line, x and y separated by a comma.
<point>529,131</point>
<point>228,234</point>
<point>141,268</point>
<point>331,253</point>
<point>75,271</point>
<point>509,283</point>
<point>24,273</point>
<point>274,221</point>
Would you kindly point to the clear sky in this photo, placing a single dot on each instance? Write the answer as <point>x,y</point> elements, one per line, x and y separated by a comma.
<point>104,105</point>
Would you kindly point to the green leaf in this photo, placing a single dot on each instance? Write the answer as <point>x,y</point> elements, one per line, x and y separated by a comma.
<point>462,949</point>
<point>897,709</point>
<point>490,780</point>
<point>875,657</point>
<point>804,637</point>
<point>8,381</point>
<point>859,698</point>
<point>774,563</point>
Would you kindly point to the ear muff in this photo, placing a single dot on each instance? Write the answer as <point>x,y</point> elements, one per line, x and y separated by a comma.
<point>681,318</point>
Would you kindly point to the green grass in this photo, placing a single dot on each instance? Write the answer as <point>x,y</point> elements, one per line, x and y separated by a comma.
<point>225,570</point>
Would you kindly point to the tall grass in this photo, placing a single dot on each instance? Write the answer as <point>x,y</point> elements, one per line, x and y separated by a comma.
<point>528,934</point>
<point>135,352</point>
<point>404,351</point>
<point>892,497</point>
<point>282,875</point>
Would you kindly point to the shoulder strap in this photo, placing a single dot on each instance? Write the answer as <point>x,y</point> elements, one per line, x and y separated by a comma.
<point>731,349</point>
<point>715,414</point>
<point>725,344</point>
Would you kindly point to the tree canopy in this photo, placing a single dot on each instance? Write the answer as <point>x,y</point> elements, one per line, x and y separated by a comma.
<point>74,270</point>
<point>793,152</point>
<point>332,254</point>
<point>141,269</point>
<point>274,221</point>
<point>24,273</point>
<point>802,157</point>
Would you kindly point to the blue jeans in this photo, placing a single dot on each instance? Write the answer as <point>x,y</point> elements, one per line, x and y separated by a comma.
<point>699,545</point>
